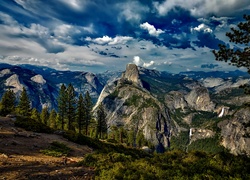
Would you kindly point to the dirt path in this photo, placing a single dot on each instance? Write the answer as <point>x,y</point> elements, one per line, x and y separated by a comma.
<point>20,156</point>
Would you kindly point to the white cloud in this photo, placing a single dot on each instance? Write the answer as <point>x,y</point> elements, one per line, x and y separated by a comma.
<point>139,62</point>
<point>146,65</point>
<point>151,29</point>
<point>202,27</point>
<point>202,8</point>
<point>110,41</point>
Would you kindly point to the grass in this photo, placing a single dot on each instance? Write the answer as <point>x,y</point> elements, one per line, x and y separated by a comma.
<point>56,149</point>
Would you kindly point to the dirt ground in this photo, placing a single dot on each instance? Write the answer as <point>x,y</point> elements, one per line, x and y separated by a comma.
<point>20,156</point>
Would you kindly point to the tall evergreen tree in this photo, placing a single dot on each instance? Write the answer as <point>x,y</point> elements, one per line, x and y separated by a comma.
<point>101,129</point>
<point>45,116</point>
<point>7,104</point>
<point>52,119</point>
<point>88,111</point>
<point>80,112</point>
<point>35,115</point>
<point>71,106</point>
<point>62,105</point>
<point>24,107</point>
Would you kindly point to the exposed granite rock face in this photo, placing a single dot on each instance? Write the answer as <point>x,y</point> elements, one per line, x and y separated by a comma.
<point>199,99</point>
<point>129,105</point>
<point>132,74</point>
<point>176,100</point>
<point>235,132</point>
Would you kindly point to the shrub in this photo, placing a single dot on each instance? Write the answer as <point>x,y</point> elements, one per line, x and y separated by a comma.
<point>56,149</point>
<point>31,125</point>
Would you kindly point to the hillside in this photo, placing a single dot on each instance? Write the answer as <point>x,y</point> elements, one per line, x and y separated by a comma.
<point>21,156</point>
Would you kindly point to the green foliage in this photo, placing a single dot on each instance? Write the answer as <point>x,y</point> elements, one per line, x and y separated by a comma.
<point>133,100</point>
<point>170,165</point>
<point>56,149</point>
<point>87,112</point>
<point>202,117</point>
<point>101,129</point>
<point>209,145</point>
<point>52,119</point>
<point>35,115</point>
<point>32,125</point>
<point>7,104</point>
<point>237,56</point>
<point>45,116</point>
<point>70,106</point>
<point>24,107</point>
<point>62,105</point>
<point>181,141</point>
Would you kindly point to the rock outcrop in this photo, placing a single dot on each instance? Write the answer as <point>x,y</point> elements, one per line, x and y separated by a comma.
<point>199,99</point>
<point>235,132</point>
<point>129,105</point>
<point>132,75</point>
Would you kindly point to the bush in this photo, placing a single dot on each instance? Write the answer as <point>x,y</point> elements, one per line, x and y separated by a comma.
<point>56,149</point>
<point>31,125</point>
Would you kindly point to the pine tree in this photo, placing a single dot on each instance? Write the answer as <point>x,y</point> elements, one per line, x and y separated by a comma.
<point>88,111</point>
<point>240,56</point>
<point>7,104</point>
<point>71,106</point>
<point>24,107</point>
<point>45,116</point>
<point>62,105</point>
<point>80,112</point>
<point>35,115</point>
<point>52,119</point>
<point>101,129</point>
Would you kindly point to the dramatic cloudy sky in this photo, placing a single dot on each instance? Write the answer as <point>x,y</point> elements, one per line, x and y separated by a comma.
<point>99,35</point>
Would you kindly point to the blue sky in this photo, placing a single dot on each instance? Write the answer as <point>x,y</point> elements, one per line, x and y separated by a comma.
<point>99,35</point>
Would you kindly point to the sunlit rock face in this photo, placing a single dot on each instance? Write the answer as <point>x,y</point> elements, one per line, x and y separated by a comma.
<point>14,83</point>
<point>132,74</point>
<point>199,99</point>
<point>129,105</point>
<point>235,132</point>
<point>38,79</point>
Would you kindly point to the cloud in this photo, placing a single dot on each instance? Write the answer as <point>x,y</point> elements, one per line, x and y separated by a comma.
<point>202,27</point>
<point>151,29</point>
<point>139,62</point>
<point>201,8</point>
<point>110,41</point>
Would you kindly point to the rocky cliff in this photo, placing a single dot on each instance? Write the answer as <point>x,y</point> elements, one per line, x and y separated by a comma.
<point>131,106</point>
<point>235,132</point>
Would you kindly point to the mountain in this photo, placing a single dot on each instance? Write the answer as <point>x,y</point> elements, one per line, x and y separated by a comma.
<point>43,83</point>
<point>183,111</point>
<point>189,110</point>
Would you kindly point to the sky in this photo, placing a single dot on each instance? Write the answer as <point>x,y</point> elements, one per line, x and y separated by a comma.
<point>100,35</point>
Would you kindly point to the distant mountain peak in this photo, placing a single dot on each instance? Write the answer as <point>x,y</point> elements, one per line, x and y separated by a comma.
<point>132,74</point>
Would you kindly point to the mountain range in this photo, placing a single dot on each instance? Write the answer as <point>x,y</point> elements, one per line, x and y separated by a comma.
<point>189,110</point>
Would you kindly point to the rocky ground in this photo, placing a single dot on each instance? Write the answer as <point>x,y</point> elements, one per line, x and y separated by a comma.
<point>20,156</point>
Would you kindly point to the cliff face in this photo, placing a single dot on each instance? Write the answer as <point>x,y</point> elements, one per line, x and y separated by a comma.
<point>235,132</point>
<point>129,105</point>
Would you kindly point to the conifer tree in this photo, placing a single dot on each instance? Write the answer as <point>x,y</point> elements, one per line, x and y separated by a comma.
<point>88,111</point>
<point>52,119</point>
<point>101,129</point>
<point>71,106</point>
<point>62,105</point>
<point>80,112</point>
<point>24,107</point>
<point>45,116</point>
<point>35,115</point>
<point>7,104</point>
<point>240,56</point>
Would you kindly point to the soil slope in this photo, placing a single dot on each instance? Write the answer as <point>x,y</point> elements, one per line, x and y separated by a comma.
<point>20,156</point>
